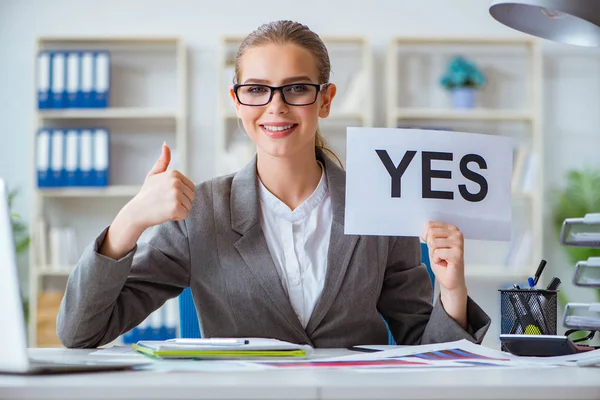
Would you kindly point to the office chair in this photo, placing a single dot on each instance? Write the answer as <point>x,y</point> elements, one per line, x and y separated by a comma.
<point>188,319</point>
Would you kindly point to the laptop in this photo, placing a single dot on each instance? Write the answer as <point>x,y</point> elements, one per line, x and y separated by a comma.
<point>13,342</point>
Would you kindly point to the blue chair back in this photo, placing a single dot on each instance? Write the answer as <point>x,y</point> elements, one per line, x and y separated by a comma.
<point>188,319</point>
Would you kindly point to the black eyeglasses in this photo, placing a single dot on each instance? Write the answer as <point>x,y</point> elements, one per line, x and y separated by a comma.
<point>578,335</point>
<point>294,94</point>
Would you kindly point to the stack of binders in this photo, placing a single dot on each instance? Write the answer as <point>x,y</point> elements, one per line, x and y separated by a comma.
<point>583,232</point>
<point>160,325</point>
<point>72,157</point>
<point>73,79</point>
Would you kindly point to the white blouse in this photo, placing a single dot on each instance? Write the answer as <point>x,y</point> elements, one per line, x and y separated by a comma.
<point>298,241</point>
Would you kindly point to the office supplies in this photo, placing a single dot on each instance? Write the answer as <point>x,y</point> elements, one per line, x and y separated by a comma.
<point>199,349</point>
<point>589,362</point>
<point>57,158</point>
<point>539,271</point>
<point>554,284</point>
<point>44,80</point>
<point>86,158</point>
<point>13,342</point>
<point>581,232</point>
<point>210,341</point>
<point>59,74</point>
<point>101,157</point>
<point>73,79</point>
<point>87,79</point>
<point>538,345</point>
<point>364,349</point>
<point>71,157</point>
<point>531,282</point>
<point>587,273</point>
<point>101,79</point>
<point>524,316</point>
<point>582,316</point>
<point>43,158</point>
<point>528,311</point>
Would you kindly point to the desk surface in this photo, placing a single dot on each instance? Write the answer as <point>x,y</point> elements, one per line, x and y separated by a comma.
<point>545,383</point>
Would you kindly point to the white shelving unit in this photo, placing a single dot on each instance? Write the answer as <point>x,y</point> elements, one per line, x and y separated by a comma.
<point>148,105</point>
<point>115,113</point>
<point>352,72</point>
<point>514,70</point>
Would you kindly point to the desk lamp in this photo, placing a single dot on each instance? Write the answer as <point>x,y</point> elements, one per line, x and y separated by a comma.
<point>575,22</point>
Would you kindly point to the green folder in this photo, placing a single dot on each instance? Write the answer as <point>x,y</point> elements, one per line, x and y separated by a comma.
<point>205,349</point>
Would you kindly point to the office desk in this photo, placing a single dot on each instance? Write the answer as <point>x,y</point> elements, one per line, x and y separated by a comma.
<point>545,383</point>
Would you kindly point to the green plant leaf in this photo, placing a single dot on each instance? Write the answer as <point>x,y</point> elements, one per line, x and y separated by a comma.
<point>462,73</point>
<point>20,234</point>
<point>580,196</point>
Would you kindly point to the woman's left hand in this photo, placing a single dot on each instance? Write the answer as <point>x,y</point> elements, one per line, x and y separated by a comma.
<point>446,255</point>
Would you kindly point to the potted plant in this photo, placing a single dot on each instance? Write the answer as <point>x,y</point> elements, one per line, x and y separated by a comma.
<point>462,79</point>
<point>580,196</point>
<point>21,238</point>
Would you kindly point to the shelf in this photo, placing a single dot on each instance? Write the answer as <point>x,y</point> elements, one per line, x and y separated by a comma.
<point>497,271</point>
<point>476,114</point>
<point>108,113</point>
<point>448,40</point>
<point>334,115</point>
<point>340,115</point>
<point>54,271</point>
<point>111,40</point>
<point>109,191</point>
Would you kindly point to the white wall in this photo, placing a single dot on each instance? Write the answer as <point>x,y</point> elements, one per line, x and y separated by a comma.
<point>572,76</point>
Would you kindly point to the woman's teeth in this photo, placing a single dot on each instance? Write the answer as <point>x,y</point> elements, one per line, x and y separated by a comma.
<point>278,128</point>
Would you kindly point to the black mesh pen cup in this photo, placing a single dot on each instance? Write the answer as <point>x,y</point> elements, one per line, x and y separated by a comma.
<point>528,311</point>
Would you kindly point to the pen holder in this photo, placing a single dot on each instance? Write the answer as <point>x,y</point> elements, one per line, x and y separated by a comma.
<point>528,311</point>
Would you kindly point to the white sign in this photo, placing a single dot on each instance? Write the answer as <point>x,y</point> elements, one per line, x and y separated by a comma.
<point>398,179</point>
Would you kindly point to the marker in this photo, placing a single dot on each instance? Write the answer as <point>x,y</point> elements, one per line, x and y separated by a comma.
<point>539,271</point>
<point>531,282</point>
<point>554,284</point>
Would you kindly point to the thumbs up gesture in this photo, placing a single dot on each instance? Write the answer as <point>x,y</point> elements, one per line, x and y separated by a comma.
<point>166,195</point>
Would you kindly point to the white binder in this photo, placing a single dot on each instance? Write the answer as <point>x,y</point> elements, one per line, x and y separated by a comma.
<point>43,158</point>
<point>85,160</point>
<point>71,162</point>
<point>102,79</point>
<point>43,80</point>
<point>57,163</point>
<point>87,79</point>
<point>101,157</point>
<point>58,80</point>
<point>73,79</point>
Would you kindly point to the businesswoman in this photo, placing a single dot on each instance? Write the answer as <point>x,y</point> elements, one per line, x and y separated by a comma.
<point>264,249</point>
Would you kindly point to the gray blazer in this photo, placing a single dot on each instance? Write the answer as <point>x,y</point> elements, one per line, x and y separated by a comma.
<point>221,253</point>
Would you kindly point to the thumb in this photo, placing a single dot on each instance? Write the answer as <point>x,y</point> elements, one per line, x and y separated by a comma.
<point>163,161</point>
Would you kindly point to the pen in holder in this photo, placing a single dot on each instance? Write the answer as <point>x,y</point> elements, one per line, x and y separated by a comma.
<point>528,311</point>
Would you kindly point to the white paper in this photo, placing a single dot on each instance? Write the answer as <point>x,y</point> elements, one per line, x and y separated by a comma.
<point>373,208</point>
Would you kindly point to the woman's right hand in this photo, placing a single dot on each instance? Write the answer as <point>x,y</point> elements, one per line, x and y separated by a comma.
<point>164,196</point>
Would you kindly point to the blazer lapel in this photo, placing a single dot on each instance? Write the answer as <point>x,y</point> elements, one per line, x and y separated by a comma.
<point>341,246</point>
<point>252,245</point>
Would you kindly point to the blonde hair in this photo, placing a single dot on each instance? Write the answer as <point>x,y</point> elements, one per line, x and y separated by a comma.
<point>283,32</point>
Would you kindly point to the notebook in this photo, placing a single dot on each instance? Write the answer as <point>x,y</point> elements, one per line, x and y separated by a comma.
<point>206,348</point>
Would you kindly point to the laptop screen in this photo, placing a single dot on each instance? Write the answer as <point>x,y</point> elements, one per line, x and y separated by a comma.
<point>13,341</point>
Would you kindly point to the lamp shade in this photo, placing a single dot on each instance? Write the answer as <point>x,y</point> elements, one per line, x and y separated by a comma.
<point>574,22</point>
